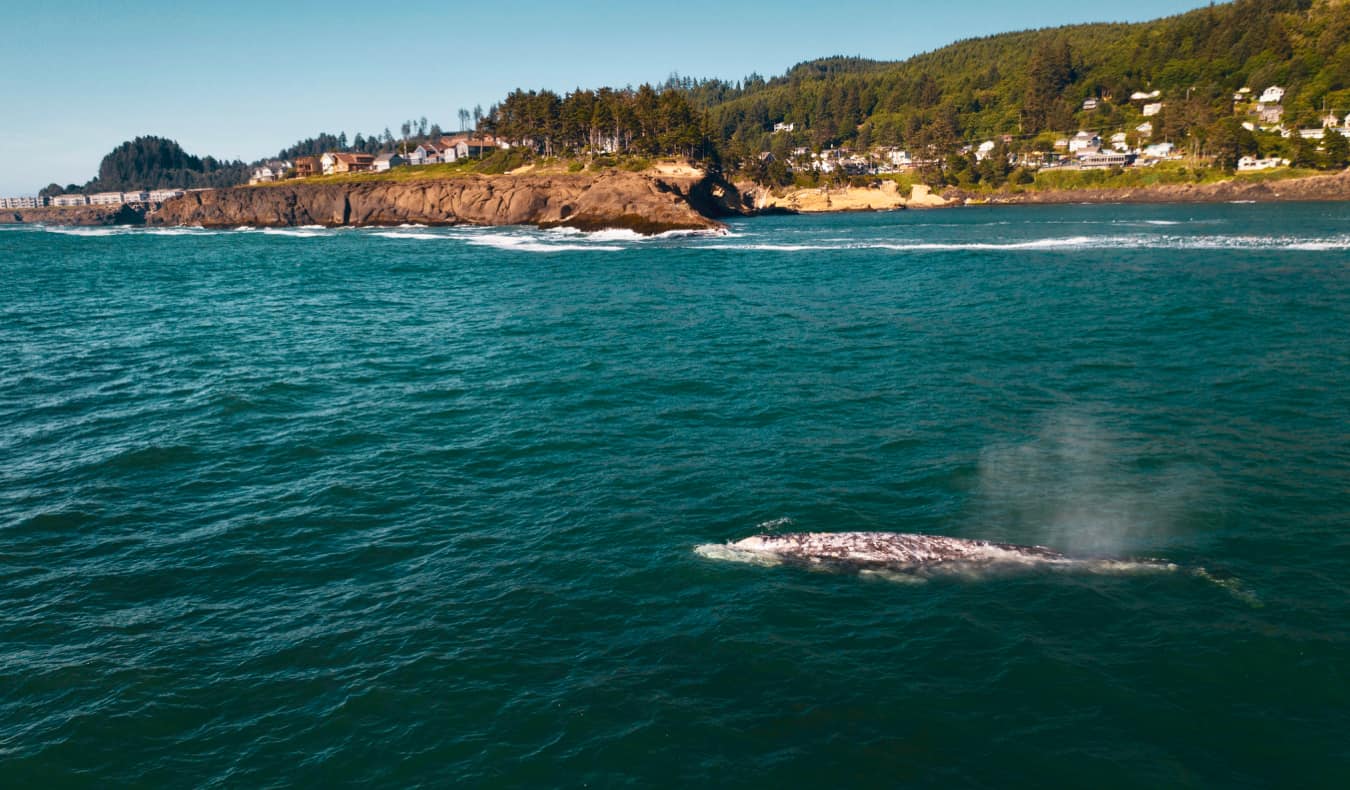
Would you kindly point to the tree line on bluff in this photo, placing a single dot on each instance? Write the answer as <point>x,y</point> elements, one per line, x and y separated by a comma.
<point>1025,87</point>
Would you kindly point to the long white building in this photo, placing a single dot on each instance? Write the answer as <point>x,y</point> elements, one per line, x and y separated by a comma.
<point>22,202</point>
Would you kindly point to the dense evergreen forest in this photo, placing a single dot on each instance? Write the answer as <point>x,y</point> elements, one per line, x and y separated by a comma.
<point>1024,88</point>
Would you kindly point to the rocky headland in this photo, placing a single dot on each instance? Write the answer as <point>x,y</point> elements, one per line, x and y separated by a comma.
<point>648,202</point>
<point>75,215</point>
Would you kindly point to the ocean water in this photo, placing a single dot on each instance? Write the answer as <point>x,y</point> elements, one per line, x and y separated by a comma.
<point>419,506</point>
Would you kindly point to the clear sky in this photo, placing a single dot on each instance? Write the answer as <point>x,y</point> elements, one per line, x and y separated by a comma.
<point>245,78</point>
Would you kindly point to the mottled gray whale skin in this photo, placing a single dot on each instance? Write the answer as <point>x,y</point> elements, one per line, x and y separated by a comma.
<point>909,553</point>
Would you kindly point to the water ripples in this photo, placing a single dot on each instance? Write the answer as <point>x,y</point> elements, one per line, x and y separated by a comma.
<point>388,506</point>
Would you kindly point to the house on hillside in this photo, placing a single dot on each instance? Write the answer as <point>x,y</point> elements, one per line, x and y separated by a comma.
<point>1159,150</point>
<point>1141,96</point>
<point>1120,141</point>
<point>1145,128</point>
<point>784,127</point>
<point>1248,163</point>
<point>161,195</point>
<point>1084,141</point>
<point>1270,113</point>
<point>474,148</point>
<point>70,200</point>
<point>1152,109</point>
<point>1272,95</point>
<point>385,162</point>
<point>1243,94</point>
<point>306,166</point>
<point>427,153</point>
<point>346,163</point>
<point>105,199</point>
<point>1090,104</point>
<point>136,196</point>
<point>984,150</point>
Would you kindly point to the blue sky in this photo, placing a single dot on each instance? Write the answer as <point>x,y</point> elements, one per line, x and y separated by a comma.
<point>246,78</point>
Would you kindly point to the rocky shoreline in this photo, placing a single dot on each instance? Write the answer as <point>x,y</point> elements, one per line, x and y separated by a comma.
<point>643,202</point>
<point>1330,187</point>
<point>647,202</point>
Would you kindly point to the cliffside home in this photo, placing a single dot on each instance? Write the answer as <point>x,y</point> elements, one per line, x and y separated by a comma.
<point>346,163</point>
<point>385,162</point>
<point>70,200</point>
<point>307,166</point>
<point>1272,95</point>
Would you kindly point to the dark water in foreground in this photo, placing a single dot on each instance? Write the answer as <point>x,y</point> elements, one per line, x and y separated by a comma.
<point>389,507</point>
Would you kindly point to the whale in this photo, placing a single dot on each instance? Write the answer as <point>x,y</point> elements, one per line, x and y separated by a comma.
<point>912,554</point>
<point>915,558</point>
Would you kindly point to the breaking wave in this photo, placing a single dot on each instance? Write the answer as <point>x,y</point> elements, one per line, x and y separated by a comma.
<point>1068,243</point>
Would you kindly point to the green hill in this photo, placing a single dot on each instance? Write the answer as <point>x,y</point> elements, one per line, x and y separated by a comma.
<point>1029,82</point>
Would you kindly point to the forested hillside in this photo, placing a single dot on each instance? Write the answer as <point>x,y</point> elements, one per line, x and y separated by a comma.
<point>1030,82</point>
<point>156,163</point>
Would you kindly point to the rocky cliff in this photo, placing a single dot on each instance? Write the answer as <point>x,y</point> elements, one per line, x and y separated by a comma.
<point>75,215</point>
<point>644,202</point>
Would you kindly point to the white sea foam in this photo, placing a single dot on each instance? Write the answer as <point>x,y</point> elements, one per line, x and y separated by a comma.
<point>304,232</point>
<point>88,232</point>
<point>1068,243</point>
<point>392,234</point>
<point>528,244</point>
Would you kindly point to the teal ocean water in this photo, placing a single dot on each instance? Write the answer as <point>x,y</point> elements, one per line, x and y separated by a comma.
<point>419,506</point>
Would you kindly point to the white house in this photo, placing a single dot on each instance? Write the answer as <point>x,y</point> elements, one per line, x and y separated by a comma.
<point>427,154</point>
<point>1159,150</point>
<point>385,162</point>
<point>1084,141</point>
<point>1090,104</point>
<point>106,199</point>
<point>70,200</point>
<point>1141,96</point>
<point>1152,109</point>
<point>1272,95</point>
<point>1119,141</point>
<point>1145,128</point>
<point>784,127</point>
<point>900,158</point>
<point>985,149</point>
<point>1248,163</point>
<point>161,195</point>
<point>140,196</point>
<point>1312,134</point>
<point>1243,94</point>
<point>1329,120</point>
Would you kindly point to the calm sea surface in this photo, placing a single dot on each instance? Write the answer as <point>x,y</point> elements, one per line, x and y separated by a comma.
<point>389,507</point>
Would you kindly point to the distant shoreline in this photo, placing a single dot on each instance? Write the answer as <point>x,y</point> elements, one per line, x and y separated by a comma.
<point>647,203</point>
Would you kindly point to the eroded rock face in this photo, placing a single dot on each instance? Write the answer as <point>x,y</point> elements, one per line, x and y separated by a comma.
<point>75,215</point>
<point>646,203</point>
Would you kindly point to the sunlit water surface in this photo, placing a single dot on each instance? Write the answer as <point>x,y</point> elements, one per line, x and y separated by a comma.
<point>417,505</point>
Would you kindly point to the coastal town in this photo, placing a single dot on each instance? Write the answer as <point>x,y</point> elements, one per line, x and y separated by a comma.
<point>1130,140</point>
<point>1085,149</point>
